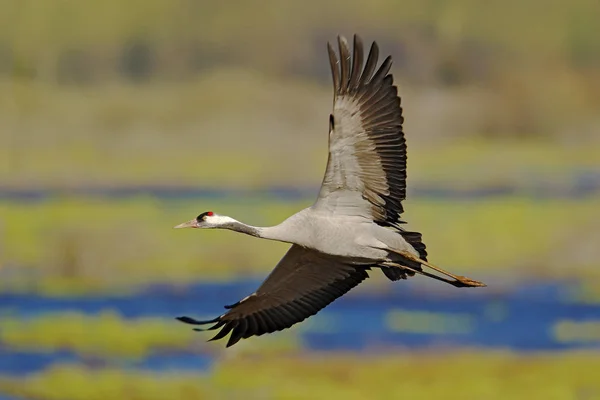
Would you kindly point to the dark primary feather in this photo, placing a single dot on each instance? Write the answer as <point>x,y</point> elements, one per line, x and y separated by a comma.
<point>302,283</point>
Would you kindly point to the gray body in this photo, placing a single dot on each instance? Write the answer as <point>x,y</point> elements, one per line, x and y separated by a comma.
<point>355,237</point>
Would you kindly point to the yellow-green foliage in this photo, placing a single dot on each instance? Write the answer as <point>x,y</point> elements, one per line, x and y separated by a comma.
<point>479,163</point>
<point>79,243</point>
<point>517,235</point>
<point>73,383</point>
<point>98,243</point>
<point>587,292</point>
<point>194,133</point>
<point>33,28</point>
<point>410,321</point>
<point>568,331</point>
<point>104,335</point>
<point>250,118</point>
<point>108,336</point>
<point>467,375</point>
<point>197,134</point>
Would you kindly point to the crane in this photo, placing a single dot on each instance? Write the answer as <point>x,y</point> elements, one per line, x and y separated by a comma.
<point>354,225</point>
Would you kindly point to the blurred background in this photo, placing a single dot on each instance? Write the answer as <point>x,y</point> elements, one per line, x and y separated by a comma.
<point>119,120</point>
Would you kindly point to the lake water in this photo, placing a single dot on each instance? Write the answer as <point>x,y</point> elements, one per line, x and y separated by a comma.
<point>415,314</point>
<point>578,184</point>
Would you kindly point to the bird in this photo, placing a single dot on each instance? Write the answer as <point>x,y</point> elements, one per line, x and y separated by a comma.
<point>355,224</point>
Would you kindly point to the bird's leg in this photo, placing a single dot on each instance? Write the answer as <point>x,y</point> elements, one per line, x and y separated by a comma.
<point>424,273</point>
<point>459,281</point>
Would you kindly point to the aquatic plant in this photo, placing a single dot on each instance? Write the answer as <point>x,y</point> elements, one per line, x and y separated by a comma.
<point>106,335</point>
<point>464,375</point>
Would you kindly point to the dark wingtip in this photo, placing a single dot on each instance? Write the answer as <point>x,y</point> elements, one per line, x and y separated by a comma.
<point>357,63</point>
<point>193,321</point>
<point>232,305</point>
<point>212,328</point>
<point>224,331</point>
<point>335,73</point>
<point>357,41</point>
<point>345,60</point>
<point>383,70</point>
<point>218,336</point>
<point>234,338</point>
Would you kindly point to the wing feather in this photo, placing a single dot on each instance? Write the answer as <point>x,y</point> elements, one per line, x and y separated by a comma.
<point>302,284</point>
<point>344,64</point>
<point>357,63</point>
<point>366,168</point>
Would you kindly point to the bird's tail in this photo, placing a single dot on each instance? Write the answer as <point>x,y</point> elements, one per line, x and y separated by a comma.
<point>415,240</point>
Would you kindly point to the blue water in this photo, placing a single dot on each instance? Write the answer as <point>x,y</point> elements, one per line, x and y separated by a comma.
<point>521,317</point>
<point>18,362</point>
<point>579,184</point>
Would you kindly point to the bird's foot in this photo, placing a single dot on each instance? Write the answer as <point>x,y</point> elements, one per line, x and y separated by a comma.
<point>463,281</point>
<point>459,281</point>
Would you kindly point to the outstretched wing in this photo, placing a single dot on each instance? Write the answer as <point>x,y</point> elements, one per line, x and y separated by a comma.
<point>366,169</point>
<point>302,283</point>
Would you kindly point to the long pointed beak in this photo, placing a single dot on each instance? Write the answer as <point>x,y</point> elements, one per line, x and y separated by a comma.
<point>190,224</point>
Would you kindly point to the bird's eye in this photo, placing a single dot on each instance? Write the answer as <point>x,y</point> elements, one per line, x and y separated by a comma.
<point>202,217</point>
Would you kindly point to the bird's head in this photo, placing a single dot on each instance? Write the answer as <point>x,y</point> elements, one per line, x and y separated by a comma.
<point>207,220</point>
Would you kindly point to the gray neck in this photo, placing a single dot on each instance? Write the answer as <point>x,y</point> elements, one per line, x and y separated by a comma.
<point>242,228</point>
<point>276,232</point>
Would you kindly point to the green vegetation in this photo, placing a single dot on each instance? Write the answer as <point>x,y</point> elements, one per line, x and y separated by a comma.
<point>577,331</point>
<point>450,375</point>
<point>109,336</point>
<point>106,335</point>
<point>92,244</point>
<point>429,322</point>
<point>70,244</point>
<point>196,134</point>
<point>218,104</point>
<point>48,32</point>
